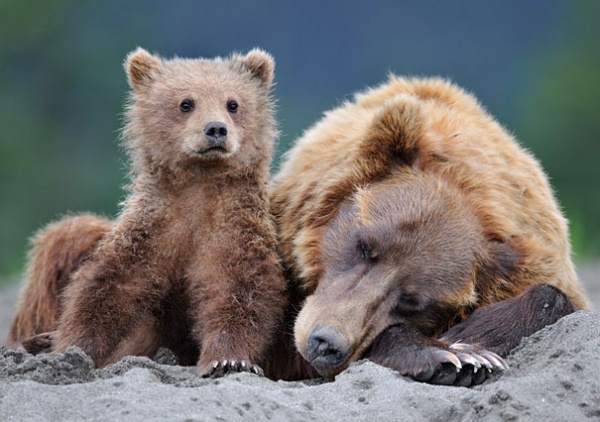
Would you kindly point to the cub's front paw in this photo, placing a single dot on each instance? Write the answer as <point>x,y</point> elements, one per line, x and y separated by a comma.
<point>424,359</point>
<point>40,343</point>
<point>218,368</point>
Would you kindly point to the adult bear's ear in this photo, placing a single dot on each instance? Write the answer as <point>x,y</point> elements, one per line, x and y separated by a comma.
<point>500,264</point>
<point>394,133</point>
<point>260,64</point>
<point>141,68</point>
<point>391,140</point>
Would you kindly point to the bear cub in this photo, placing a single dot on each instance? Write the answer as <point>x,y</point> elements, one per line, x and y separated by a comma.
<point>190,263</point>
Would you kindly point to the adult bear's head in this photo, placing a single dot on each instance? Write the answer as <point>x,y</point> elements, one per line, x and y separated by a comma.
<point>396,243</point>
<point>406,249</point>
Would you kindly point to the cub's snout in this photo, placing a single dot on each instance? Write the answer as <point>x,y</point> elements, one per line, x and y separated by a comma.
<point>216,135</point>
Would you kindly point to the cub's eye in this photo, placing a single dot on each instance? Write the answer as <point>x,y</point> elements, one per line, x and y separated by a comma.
<point>232,106</point>
<point>186,106</point>
<point>366,251</point>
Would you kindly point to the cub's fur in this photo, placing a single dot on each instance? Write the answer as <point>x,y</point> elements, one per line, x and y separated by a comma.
<point>190,263</point>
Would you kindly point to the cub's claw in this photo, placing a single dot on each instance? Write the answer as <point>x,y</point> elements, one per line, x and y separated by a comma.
<point>218,368</point>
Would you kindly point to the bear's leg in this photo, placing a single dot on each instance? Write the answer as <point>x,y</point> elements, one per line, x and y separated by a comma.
<point>109,314</point>
<point>226,341</point>
<point>58,250</point>
<point>170,328</point>
<point>474,347</point>
<point>501,326</point>
<point>144,340</point>
<point>234,323</point>
<point>405,349</point>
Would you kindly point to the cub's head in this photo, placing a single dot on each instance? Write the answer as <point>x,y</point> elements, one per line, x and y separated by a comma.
<point>194,114</point>
<point>407,249</point>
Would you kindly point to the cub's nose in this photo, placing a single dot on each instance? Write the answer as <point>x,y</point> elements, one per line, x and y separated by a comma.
<point>327,348</point>
<point>216,133</point>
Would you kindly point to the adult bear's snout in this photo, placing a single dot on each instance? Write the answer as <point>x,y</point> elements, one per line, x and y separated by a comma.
<point>327,348</point>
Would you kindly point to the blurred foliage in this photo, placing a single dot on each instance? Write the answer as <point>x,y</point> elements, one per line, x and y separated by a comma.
<point>25,23</point>
<point>560,122</point>
<point>62,84</point>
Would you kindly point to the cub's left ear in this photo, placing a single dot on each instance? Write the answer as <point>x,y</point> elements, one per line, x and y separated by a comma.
<point>141,68</point>
<point>261,65</point>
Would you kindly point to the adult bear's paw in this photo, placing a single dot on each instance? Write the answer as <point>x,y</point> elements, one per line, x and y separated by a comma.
<point>424,359</point>
<point>460,364</point>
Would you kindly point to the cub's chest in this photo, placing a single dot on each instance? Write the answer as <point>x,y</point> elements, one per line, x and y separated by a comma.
<point>198,217</point>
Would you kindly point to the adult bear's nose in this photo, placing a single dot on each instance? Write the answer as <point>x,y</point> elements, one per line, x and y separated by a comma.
<point>216,133</point>
<point>327,348</point>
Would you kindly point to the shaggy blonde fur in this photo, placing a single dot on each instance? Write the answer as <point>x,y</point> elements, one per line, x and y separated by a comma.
<point>450,135</point>
<point>429,145</point>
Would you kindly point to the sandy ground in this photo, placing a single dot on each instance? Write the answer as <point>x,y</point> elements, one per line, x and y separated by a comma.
<point>554,375</point>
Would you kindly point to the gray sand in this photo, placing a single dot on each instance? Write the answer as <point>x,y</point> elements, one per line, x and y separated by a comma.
<point>554,375</point>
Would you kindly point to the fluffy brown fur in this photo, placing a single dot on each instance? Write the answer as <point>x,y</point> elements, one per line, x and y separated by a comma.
<point>411,206</point>
<point>190,262</point>
<point>56,252</point>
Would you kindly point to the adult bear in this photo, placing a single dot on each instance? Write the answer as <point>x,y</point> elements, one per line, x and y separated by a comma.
<point>417,233</point>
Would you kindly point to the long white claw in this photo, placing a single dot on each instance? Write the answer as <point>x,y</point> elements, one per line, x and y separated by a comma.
<point>496,360</point>
<point>468,359</point>
<point>462,346</point>
<point>446,356</point>
<point>484,362</point>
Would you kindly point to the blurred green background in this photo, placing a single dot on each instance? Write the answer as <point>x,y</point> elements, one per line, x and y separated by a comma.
<point>534,64</point>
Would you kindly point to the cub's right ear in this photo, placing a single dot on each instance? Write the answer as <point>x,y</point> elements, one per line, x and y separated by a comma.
<point>141,67</point>
<point>260,64</point>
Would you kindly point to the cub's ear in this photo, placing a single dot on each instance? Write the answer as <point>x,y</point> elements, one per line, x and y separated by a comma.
<point>141,68</point>
<point>260,64</point>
